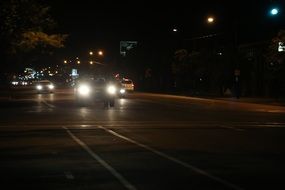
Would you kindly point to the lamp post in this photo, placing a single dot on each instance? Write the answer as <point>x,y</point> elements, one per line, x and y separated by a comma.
<point>100,53</point>
<point>96,60</point>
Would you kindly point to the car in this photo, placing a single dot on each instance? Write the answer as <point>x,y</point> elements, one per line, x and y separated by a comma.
<point>44,86</point>
<point>88,90</point>
<point>128,85</point>
<point>121,90</point>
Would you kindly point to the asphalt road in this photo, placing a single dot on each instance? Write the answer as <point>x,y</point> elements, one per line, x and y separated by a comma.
<point>145,142</point>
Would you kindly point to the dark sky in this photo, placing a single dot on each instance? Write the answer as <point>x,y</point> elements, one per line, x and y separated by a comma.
<point>95,24</point>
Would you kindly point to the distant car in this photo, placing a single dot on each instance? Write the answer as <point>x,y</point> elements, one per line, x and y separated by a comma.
<point>128,84</point>
<point>44,86</point>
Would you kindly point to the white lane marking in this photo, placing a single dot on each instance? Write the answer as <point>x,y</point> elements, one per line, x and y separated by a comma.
<point>116,174</point>
<point>68,175</point>
<point>47,104</point>
<point>195,169</point>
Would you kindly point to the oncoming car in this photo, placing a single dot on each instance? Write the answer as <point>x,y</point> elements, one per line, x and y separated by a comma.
<point>44,86</point>
<point>88,90</point>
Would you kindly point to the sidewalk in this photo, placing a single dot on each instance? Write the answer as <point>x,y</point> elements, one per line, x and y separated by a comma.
<point>254,100</point>
<point>244,100</point>
<point>257,100</point>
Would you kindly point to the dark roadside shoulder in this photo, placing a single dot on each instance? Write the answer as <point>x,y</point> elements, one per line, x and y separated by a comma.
<point>251,100</point>
<point>255,100</point>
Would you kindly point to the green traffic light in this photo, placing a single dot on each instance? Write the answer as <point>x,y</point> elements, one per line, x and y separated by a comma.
<point>274,11</point>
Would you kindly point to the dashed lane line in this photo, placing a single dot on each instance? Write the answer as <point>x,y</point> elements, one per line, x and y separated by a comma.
<point>69,175</point>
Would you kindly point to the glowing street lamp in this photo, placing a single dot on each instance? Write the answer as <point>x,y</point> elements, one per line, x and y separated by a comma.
<point>91,62</point>
<point>210,20</point>
<point>65,61</point>
<point>78,62</point>
<point>90,52</point>
<point>100,53</point>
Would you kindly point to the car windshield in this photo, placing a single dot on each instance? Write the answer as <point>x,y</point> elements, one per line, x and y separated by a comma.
<point>100,81</point>
<point>142,94</point>
<point>44,83</point>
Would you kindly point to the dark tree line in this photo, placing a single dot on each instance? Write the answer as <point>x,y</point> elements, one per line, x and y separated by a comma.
<point>26,31</point>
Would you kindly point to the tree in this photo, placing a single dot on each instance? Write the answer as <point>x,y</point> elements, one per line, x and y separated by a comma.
<point>31,40</point>
<point>274,56</point>
<point>181,69</point>
<point>276,65</point>
<point>25,26</point>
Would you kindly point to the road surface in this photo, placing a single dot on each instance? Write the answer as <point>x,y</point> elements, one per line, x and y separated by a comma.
<point>146,142</point>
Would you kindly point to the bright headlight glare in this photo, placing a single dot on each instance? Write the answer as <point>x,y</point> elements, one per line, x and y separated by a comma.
<point>51,86</point>
<point>111,89</point>
<point>122,91</point>
<point>84,90</point>
<point>39,87</point>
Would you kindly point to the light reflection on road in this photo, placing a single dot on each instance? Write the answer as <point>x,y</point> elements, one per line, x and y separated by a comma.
<point>46,97</point>
<point>84,112</point>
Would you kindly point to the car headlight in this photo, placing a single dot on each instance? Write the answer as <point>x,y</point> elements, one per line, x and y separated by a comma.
<point>51,86</point>
<point>111,89</point>
<point>84,90</point>
<point>122,91</point>
<point>39,87</point>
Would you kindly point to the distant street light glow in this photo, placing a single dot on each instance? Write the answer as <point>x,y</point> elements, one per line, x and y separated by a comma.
<point>100,53</point>
<point>174,30</point>
<point>210,19</point>
<point>65,61</point>
<point>78,62</point>
<point>91,53</point>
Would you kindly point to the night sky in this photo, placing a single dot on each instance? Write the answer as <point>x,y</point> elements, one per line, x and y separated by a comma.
<point>102,24</point>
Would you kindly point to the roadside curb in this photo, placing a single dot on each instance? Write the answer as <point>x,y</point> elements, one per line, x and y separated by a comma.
<point>213,101</point>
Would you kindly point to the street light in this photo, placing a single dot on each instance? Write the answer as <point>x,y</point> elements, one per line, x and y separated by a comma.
<point>78,62</point>
<point>90,52</point>
<point>210,20</point>
<point>65,61</point>
<point>91,62</point>
<point>100,53</point>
